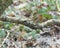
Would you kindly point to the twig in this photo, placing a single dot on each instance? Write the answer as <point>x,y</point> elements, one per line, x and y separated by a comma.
<point>5,39</point>
<point>8,33</point>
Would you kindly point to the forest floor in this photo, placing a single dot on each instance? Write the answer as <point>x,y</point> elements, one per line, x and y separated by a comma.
<point>25,24</point>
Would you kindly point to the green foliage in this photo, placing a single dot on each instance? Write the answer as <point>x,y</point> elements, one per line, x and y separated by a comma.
<point>38,31</point>
<point>55,17</point>
<point>8,25</point>
<point>32,33</point>
<point>2,33</point>
<point>36,2</point>
<point>48,16</point>
<point>27,29</point>
<point>41,11</point>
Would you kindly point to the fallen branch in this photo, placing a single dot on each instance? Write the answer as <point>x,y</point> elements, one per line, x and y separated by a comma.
<point>29,24</point>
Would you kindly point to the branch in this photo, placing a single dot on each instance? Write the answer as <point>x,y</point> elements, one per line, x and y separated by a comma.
<point>29,24</point>
<point>18,21</point>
